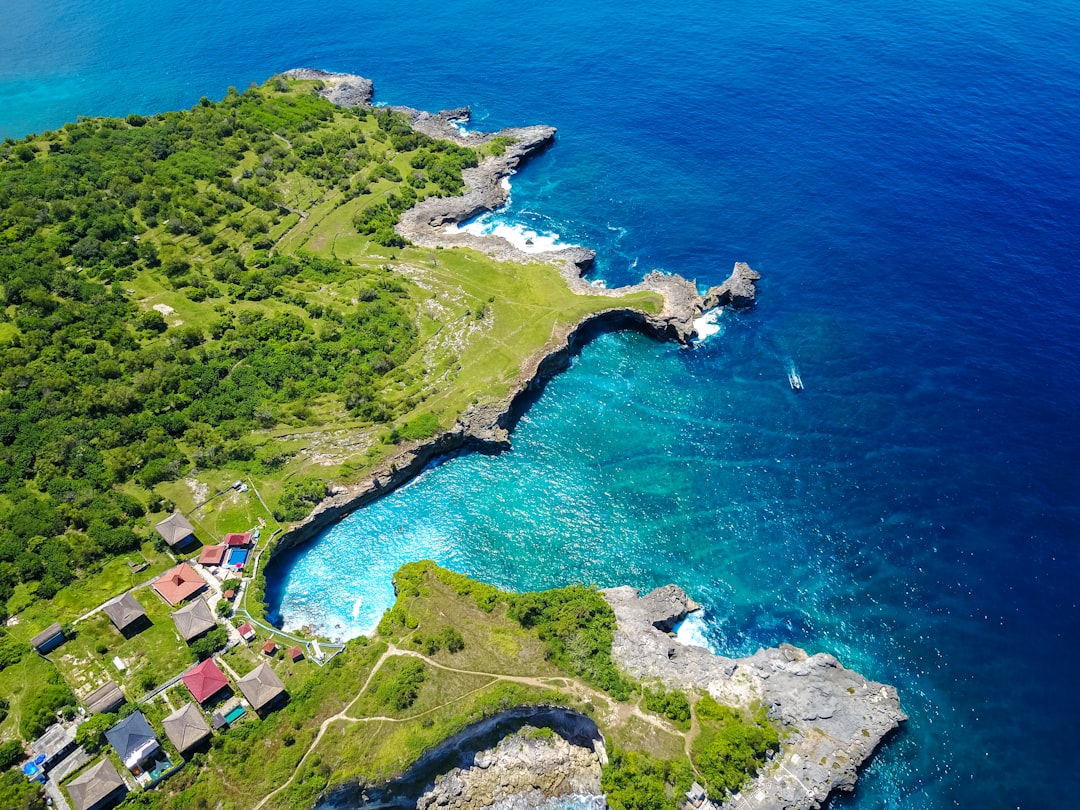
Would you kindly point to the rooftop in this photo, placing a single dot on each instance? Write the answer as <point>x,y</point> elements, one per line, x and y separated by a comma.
<point>261,686</point>
<point>193,619</point>
<point>179,583</point>
<point>56,739</point>
<point>175,529</point>
<point>93,785</point>
<point>133,739</point>
<point>46,635</point>
<point>186,727</point>
<point>205,680</point>
<point>212,555</point>
<point>124,611</point>
<point>238,538</point>
<point>104,699</point>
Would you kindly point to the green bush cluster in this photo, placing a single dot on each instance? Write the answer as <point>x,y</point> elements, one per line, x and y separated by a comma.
<point>40,709</point>
<point>206,646</point>
<point>423,426</point>
<point>637,781</point>
<point>731,746</point>
<point>11,651</point>
<point>10,753</point>
<point>577,627</point>
<point>95,393</point>
<point>575,623</point>
<point>91,732</point>
<point>298,496</point>
<point>447,639</point>
<point>672,704</point>
<point>400,690</point>
<point>16,793</point>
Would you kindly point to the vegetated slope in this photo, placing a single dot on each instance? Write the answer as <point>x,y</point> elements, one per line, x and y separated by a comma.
<point>452,651</point>
<point>222,289</point>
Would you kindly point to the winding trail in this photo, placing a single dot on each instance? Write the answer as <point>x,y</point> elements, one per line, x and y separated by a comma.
<point>571,685</point>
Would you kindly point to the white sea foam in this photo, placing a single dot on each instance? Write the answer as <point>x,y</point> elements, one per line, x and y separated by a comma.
<point>691,630</point>
<point>505,183</point>
<point>524,239</point>
<point>708,324</point>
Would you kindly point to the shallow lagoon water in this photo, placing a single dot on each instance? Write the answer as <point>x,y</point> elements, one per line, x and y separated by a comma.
<point>907,180</point>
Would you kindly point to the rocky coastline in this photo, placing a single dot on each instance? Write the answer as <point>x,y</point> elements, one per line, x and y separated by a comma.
<point>834,718</point>
<point>486,428</point>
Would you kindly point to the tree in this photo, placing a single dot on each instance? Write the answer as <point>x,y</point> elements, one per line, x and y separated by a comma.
<point>210,643</point>
<point>10,753</point>
<point>91,732</point>
<point>87,250</point>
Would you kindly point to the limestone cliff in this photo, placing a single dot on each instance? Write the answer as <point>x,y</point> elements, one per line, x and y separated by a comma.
<point>834,717</point>
<point>524,770</point>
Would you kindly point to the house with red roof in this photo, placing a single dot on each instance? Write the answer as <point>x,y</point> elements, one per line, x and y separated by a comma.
<point>269,648</point>
<point>179,583</point>
<point>246,632</point>
<point>212,555</point>
<point>205,680</point>
<point>296,653</point>
<point>238,539</point>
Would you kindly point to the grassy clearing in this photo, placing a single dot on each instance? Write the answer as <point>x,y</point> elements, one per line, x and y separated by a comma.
<point>150,657</point>
<point>18,684</point>
<point>114,577</point>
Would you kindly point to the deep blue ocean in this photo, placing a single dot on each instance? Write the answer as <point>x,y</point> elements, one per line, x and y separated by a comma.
<point>905,176</point>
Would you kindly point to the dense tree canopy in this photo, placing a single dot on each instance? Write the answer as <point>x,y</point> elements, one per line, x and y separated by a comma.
<point>99,391</point>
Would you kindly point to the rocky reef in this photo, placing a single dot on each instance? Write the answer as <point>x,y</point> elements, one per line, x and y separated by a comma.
<point>833,717</point>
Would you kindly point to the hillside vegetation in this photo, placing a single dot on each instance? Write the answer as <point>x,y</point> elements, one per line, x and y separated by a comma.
<point>198,295</point>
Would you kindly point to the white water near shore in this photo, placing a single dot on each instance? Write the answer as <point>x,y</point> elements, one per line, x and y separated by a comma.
<point>708,324</point>
<point>692,630</point>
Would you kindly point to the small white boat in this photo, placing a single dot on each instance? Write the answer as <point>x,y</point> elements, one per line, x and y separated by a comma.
<point>794,380</point>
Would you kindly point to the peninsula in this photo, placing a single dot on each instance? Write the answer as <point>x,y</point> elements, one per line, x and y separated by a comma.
<point>225,328</point>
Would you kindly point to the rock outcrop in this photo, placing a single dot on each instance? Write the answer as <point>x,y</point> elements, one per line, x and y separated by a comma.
<point>524,770</point>
<point>343,89</point>
<point>833,716</point>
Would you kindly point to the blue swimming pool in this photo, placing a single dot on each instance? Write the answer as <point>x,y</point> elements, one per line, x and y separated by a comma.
<point>235,714</point>
<point>238,556</point>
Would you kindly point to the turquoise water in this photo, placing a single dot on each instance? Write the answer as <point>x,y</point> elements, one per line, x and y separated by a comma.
<point>907,179</point>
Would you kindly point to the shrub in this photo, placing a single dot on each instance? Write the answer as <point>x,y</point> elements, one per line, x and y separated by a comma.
<point>635,781</point>
<point>210,643</point>
<point>674,705</point>
<point>91,732</point>
<point>731,745</point>
<point>11,651</point>
<point>10,753</point>
<point>39,712</point>
<point>400,691</point>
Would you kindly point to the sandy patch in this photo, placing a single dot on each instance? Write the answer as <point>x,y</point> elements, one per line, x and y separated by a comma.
<point>199,490</point>
<point>164,309</point>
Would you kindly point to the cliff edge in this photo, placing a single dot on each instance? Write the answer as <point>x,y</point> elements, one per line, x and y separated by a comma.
<point>833,717</point>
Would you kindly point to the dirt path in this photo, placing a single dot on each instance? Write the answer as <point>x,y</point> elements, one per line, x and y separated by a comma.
<point>566,683</point>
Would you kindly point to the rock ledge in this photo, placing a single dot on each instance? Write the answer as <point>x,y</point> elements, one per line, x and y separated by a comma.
<point>834,717</point>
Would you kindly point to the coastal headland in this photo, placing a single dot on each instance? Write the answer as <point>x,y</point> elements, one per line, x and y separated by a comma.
<point>284,298</point>
<point>833,718</point>
<point>431,223</point>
